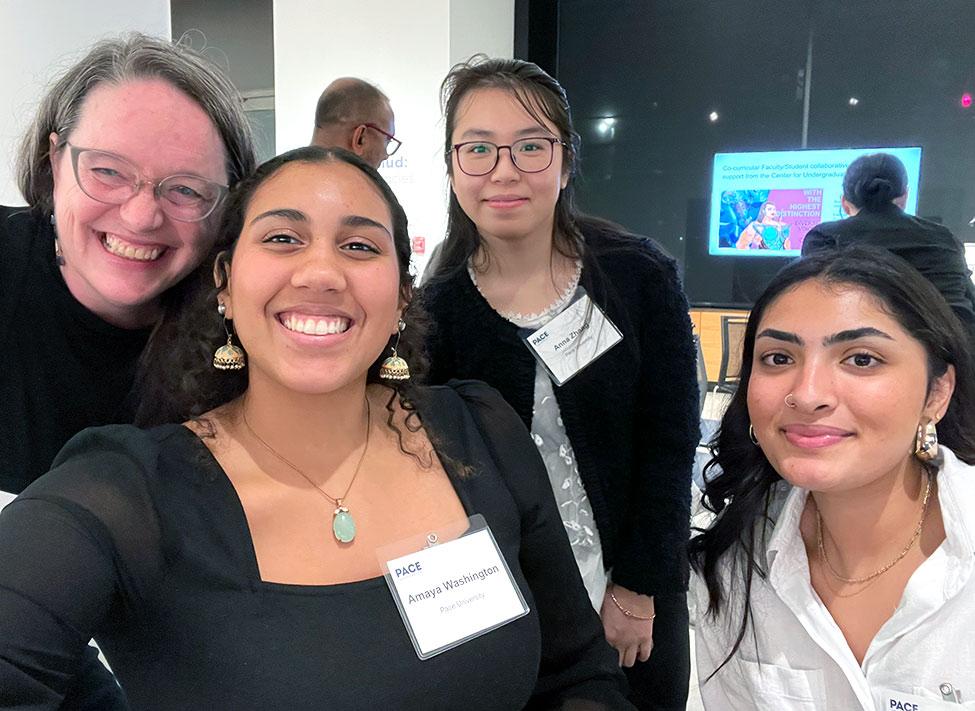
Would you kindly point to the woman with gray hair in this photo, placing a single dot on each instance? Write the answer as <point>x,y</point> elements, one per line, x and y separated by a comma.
<point>123,169</point>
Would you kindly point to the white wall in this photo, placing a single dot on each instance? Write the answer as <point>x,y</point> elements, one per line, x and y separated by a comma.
<point>41,37</point>
<point>486,26</point>
<point>404,48</point>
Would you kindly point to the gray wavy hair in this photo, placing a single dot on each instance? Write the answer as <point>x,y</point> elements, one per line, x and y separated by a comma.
<point>133,56</point>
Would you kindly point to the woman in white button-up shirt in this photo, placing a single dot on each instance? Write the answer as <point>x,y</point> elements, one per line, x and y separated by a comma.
<point>839,572</point>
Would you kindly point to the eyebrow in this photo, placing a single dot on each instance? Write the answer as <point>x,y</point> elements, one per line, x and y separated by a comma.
<point>855,333</point>
<point>363,221</point>
<point>285,212</point>
<point>524,132</point>
<point>298,216</point>
<point>780,336</point>
<point>851,334</point>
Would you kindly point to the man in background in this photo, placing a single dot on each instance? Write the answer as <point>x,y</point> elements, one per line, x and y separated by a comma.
<point>354,115</point>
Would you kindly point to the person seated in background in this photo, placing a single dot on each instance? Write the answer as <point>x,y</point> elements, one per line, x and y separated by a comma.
<point>874,195</point>
<point>354,115</point>
<point>839,569</point>
<point>231,562</point>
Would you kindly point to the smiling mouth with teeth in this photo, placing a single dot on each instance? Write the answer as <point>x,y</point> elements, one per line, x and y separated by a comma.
<point>120,248</point>
<point>312,326</point>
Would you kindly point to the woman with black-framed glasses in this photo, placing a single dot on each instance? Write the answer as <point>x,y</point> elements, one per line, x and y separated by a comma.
<point>585,331</point>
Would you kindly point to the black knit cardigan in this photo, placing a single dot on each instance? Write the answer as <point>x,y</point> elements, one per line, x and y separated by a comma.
<point>631,416</point>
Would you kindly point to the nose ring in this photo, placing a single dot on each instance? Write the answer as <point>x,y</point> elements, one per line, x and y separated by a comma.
<point>790,401</point>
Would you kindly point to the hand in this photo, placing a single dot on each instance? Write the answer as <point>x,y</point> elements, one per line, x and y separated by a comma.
<point>632,638</point>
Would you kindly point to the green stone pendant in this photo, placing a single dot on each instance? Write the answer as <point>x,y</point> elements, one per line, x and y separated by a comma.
<point>343,525</point>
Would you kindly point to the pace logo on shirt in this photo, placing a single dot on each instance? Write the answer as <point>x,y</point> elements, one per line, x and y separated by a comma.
<point>899,701</point>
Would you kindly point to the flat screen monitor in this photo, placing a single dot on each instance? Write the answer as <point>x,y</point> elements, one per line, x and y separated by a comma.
<point>763,204</point>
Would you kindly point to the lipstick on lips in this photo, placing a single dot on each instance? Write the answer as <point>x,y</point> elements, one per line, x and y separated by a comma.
<point>506,201</point>
<point>814,436</point>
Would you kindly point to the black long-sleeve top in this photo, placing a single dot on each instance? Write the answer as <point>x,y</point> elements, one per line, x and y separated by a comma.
<point>631,416</point>
<point>927,246</point>
<point>138,539</point>
<point>62,368</point>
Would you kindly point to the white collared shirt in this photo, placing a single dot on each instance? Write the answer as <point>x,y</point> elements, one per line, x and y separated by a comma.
<point>925,649</point>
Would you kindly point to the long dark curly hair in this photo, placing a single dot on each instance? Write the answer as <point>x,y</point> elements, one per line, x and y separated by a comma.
<point>177,380</point>
<point>741,494</point>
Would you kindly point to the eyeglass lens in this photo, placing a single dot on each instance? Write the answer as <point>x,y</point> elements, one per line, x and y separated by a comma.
<point>109,178</point>
<point>530,155</point>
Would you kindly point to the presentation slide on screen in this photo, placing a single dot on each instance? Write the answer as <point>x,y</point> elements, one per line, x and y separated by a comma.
<point>763,204</point>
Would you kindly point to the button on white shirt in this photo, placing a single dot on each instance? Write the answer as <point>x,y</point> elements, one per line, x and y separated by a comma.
<point>794,656</point>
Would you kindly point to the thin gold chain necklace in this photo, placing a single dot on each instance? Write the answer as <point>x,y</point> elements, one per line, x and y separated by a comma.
<point>891,564</point>
<point>343,525</point>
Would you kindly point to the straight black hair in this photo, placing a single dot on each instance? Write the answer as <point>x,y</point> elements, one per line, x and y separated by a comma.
<point>544,99</point>
<point>874,180</point>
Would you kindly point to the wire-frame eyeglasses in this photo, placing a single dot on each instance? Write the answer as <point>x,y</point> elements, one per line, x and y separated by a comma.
<point>112,179</point>
<point>392,142</point>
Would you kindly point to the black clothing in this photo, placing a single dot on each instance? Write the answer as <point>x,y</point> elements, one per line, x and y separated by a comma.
<point>138,538</point>
<point>659,684</point>
<point>927,246</point>
<point>631,416</point>
<point>61,367</point>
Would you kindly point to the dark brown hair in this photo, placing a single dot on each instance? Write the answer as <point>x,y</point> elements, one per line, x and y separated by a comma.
<point>740,492</point>
<point>178,381</point>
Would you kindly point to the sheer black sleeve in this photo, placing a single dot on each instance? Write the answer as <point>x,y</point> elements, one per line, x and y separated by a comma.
<point>62,573</point>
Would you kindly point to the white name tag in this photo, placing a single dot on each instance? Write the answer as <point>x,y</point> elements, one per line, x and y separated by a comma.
<point>452,592</point>
<point>573,339</point>
<point>6,498</point>
<point>900,701</point>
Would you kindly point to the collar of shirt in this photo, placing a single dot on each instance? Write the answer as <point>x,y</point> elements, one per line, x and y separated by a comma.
<point>939,578</point>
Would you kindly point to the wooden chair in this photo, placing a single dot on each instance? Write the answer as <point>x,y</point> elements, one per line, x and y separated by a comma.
<point>732,335</point>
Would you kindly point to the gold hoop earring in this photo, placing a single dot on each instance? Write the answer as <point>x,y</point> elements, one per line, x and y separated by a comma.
<point>394,367</point>
<point>926,441</point>
<point>228,356</point>
<point>751,435</point>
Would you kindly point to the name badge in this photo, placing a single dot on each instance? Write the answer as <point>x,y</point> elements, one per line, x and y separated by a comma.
<point>900,701</point>
<point>573,339</point>
<point>449,593</point>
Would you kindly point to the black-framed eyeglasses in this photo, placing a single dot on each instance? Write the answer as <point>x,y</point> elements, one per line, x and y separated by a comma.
<point>529,155</point>
<point>112,179</point>
<point>392,142</point>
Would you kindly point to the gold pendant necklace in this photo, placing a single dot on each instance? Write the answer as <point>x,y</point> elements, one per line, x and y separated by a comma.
<point>343,525</point>
<point>891,564</point>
